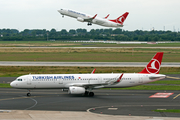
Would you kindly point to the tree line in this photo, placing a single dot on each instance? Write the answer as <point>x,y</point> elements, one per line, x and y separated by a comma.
<point>82,34</point>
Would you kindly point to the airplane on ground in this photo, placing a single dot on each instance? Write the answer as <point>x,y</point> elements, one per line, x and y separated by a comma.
<point>82,17</point>
<point>85,83</point>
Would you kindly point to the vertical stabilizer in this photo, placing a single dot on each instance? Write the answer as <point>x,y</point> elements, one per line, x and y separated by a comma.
<point>121,18</point>
<point>153,67</point>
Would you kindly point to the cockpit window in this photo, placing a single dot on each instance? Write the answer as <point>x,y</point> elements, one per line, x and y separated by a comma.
<point>19,79</point>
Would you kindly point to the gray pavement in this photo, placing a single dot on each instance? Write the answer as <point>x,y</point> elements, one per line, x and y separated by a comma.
<point>127,102</point>
<point>91,64</point>
<point>64,115</point>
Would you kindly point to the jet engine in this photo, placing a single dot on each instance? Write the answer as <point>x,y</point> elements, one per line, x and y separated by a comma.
<point>80,19</point>
<point>76,90</point>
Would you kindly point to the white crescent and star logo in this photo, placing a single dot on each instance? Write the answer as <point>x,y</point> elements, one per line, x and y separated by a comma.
<point>153,66</point>
<point>121,19</point>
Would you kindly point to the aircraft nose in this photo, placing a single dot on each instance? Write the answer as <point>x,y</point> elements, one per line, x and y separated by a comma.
<point>60,11</point>
<point>12,84</point>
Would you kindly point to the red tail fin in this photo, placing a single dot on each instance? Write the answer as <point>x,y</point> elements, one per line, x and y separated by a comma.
<point>120,19</point>
<point>153,67</point>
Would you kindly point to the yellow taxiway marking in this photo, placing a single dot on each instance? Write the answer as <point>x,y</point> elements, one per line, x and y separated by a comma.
<point>17,98</point>
<point>13,98</point>
<point>176,96</point>
<point>172,77</point>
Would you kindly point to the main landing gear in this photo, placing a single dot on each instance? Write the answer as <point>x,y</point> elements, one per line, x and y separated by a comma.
<point>89,23</point>
<point>28,94</point>
<point>91,94</point>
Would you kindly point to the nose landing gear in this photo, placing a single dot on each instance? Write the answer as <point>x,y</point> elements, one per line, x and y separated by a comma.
<point>28,94</point>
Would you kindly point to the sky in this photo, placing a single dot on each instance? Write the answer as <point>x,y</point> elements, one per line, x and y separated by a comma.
<point>42,14</point>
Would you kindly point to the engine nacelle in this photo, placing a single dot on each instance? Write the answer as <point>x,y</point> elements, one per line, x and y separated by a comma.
<point>80,19</point>
<point>76,90</point>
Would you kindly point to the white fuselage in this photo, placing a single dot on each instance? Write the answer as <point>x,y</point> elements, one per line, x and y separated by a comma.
<point>82,17</point>
<point>64,81</point>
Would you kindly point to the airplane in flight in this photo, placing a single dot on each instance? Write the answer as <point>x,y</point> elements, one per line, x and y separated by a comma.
<point>82,17</point>
<point>85,83</point>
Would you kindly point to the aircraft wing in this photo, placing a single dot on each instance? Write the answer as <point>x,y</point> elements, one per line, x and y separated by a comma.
<point>98,85</point>
<point>90,19</point>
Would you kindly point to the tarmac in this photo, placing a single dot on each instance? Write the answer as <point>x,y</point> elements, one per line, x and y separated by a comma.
<point>52,104</point>
<point>90,64</point>
<point>106,104</point>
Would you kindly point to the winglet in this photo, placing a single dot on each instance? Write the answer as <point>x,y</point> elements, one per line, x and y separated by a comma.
<point>93,71</point>
<point>94,16</point>
<point>153,67</point>
<point>106,16</point>
<point>120,78</point>
<point>113,82</point>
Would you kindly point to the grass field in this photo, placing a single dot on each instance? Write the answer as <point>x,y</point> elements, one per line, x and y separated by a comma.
<point>79,44</point>
<point>87,55</point>
<point>167,82</point>
<point>14,53</point>
<point>14,71</point>
<point>5,85</point>
<point>169,110</point>
<point>151,87</point>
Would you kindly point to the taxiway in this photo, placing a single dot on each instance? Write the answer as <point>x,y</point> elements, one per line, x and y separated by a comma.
<point>89,64</point>
<point>111,102</point>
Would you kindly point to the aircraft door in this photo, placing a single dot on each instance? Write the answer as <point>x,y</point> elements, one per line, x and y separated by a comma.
<point>60,81</point>
<point>29,80</point>
<point>92,81</point>
<point>99,79</point>
<point>140,79</point>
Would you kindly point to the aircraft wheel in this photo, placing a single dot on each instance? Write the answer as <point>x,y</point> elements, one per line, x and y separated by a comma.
<point>28,94</point>
<point>91,94</point>
<point>89,24</point>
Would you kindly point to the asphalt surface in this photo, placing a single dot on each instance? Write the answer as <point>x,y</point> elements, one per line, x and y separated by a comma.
<point>112,102</point>
<point>92,64</point>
